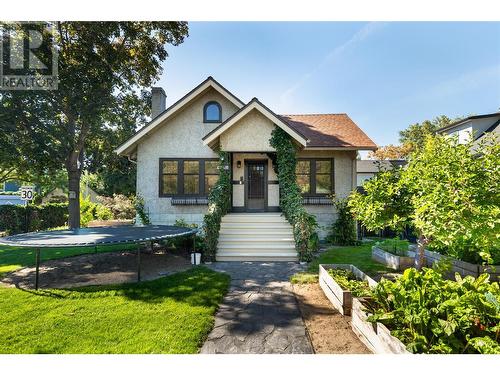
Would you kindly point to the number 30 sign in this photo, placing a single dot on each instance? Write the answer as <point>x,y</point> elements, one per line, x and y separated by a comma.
<point>27,193</point>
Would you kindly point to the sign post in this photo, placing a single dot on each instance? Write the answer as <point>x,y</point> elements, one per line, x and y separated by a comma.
<point>27,195</point>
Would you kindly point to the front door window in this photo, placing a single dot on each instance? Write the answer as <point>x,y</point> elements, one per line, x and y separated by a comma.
<point>256,186</point>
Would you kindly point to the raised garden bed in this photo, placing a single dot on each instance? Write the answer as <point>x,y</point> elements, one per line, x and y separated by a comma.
<point>375,336</point>
<point>461,267</point>
<point>340,298</point>
<point>396,262</point>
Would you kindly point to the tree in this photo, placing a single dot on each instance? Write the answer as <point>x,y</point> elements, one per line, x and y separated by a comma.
<point>411,139</point>
<point>391,152</point>
<point>448,192</point>
<point>100,64</point>
<point>416,134</point>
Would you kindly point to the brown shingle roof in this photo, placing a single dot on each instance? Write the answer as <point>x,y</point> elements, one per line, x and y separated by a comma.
<point>329,130</point>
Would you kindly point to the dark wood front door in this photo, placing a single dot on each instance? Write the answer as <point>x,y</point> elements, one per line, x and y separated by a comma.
<point>256,186</point>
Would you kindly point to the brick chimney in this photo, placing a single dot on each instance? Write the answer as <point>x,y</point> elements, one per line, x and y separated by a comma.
<point>158,100</point>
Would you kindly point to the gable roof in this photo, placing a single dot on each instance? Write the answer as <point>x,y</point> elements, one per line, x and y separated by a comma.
<point>330,131</point>
<point>257,105</point>
<point>210,82</point>
<point>450,126</point>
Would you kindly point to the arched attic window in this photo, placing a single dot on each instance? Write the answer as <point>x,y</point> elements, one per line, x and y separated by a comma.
<point>212,112</point>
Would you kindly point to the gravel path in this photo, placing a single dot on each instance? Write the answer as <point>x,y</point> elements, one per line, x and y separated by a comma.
<point>260,313</point>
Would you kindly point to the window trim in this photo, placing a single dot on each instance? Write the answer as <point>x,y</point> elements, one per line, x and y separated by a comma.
<point>180,178</point>
<point>205,120</point>
<point>312,176</point>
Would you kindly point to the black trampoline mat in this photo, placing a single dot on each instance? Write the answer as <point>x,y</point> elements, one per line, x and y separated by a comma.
<point>96,236</point>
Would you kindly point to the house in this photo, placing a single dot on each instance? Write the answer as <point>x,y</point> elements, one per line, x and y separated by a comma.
<point>176,156</point>
<point>366,169</point>
<point>475,126</point>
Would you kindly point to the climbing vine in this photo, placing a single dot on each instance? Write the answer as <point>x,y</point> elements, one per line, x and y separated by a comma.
<point>304,224</point>
<point>219,203</point>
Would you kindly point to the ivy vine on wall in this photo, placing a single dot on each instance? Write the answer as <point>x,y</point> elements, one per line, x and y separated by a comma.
<point>219,204</point>
<point>304,224</point>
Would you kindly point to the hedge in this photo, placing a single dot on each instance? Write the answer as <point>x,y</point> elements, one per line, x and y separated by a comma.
<point>13,218</point>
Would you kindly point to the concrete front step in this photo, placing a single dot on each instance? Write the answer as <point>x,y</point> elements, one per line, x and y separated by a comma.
<point>256,236</point>
<point>252,257</point>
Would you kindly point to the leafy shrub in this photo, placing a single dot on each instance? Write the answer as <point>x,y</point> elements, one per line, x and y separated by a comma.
<point>219,203</point>
<point>430,314</point>
<point>121,206</point>
<point>13,219</point>
<point>93,211</point>
<point>343,230</point>
<point>348,281</point>
<point>103,213</point>
<point>304,224</point>
<point>394,246</point>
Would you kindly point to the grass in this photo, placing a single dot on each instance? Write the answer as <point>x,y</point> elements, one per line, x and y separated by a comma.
<point>360,256</point>
<point>173,314</point>
<point>12,258</point>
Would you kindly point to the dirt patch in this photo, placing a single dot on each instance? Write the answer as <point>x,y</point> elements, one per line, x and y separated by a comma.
<point>330,331</point>
<point>98,269</point>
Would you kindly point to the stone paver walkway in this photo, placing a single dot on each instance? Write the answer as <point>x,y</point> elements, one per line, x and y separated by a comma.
<point>259,314</point>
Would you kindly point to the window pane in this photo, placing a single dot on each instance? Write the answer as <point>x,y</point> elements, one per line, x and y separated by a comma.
<point>192,167</point>
<point>323,166</point>
<point>303,182</point>
<point>210,181</point>
<point>303,167</point>
<point>323,184</point>
<point>212,112</point>
<point>191,184</point>
<point>211,167</point>
<point>170,166</point>
<point>170,184</point>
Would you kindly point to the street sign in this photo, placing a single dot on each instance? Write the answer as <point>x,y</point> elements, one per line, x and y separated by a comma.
<point>27,192</point>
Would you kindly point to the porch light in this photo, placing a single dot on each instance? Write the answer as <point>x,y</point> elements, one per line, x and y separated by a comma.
<point>238,164</point>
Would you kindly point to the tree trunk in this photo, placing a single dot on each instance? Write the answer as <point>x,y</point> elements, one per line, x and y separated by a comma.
<point>73,167</point>
<point>420,258</point>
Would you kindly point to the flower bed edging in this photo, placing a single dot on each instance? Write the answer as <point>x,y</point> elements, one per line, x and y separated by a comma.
<point>339,298</point>
<point>396,262</point>
<point>375,336</point>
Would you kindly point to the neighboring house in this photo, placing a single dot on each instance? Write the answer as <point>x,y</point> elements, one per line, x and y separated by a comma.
<point>366,169</point>
<point>177,166</point>
<point>476,126</point>
<point>11,186</point>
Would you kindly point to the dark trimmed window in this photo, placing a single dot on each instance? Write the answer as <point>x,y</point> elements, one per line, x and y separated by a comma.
<point>315,176</point>
<point>187,177</point>
<point>212,112</point>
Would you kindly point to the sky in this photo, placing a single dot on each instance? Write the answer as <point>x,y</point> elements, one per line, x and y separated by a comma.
<point>385,76</point>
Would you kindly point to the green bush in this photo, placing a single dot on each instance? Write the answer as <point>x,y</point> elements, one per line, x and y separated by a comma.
<point>141,210</point>
<point>304,224</point>
<point>121,206</point>
<point>430,314</point>
<point>13,219</point>
<point>90,211</point>
<point>219,203</point>
<point>343,230</point>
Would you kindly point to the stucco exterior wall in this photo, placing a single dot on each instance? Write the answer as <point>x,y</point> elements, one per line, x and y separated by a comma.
<point>251,133</point>
<point>180,137</point>
<point>344,182</point>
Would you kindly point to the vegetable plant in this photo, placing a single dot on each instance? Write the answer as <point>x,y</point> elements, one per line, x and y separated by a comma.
<point>348,281</point>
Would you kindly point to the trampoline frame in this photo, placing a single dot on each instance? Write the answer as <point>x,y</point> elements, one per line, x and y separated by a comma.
<point>138,241</point>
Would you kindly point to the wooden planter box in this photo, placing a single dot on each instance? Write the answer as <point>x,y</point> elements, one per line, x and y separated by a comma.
<point>461,267</point>
<point>340,299</point>
<point>375,336</point>
<point>396,262</point>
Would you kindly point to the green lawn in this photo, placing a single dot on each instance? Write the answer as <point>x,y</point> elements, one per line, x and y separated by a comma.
<point>173,314</point>
<point>360,256</point>
<point>12,258</point>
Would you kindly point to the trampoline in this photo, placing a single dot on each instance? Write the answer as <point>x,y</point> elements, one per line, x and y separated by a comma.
<point>92,237</point>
